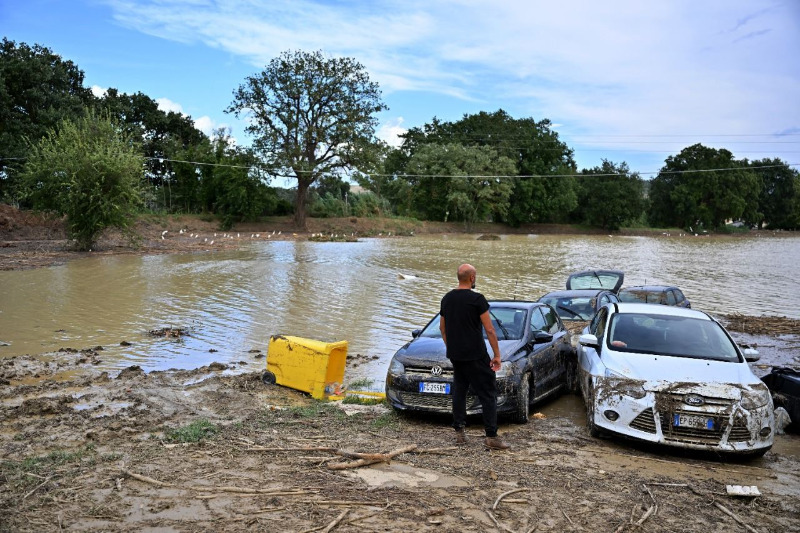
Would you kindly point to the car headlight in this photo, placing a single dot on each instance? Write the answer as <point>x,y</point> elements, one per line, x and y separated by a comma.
<point>624,386</point>
<point>758,396</point>
<point>396,367</point>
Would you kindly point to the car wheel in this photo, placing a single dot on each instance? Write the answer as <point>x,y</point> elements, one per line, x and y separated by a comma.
<point>594,431</point>
<point>268,378</point>
<point>522,407</point>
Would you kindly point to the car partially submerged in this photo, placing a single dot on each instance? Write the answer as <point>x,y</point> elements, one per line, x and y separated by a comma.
<point>672,376</point>
<point>537,362</point>
<point>654,294</point>
<point>586,292</point>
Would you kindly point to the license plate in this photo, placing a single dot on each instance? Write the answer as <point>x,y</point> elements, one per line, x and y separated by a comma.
<point>690,421</point>
<point>435,388</point>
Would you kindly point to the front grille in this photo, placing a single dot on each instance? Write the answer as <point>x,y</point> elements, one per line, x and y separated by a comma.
<point>645,421</point>
<point>689,434</point>
<point>674,398</point>
<point>739,431</point>
<point>425,371</point>
<point>435,401</point>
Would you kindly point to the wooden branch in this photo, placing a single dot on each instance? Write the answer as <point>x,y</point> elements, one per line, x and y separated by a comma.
<point>498,524</point>
<point>241,490</point>
<point>368,459</point>
<point>146,479</point>
<point>497,501</point>
<point>298,449</point>
<point>730,513</point>
<point>336,522</point>
<point>37,487</point>
<point>342,502</point>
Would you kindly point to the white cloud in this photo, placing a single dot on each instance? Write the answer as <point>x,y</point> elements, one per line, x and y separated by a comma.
<point>597,68</point>
<point>207,125</point>
<point>166,105</point>
<point>390,132</point>
<point>98,91</point>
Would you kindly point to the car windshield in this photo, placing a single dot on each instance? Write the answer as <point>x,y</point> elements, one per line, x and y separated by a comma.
<point>571,308</point>
<point>676,336</point>
<point>640,296</point>
<point>508,322</point>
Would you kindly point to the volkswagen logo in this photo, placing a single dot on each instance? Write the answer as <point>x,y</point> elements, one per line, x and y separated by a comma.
<point>436,371</point>
<point>693,399</point>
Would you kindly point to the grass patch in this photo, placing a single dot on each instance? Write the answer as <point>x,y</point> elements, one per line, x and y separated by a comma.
<point>360,400</point>
<point>194,432</point>
<point>386,420</point>
<point>30,471</point>
<point>312,410</point>
<point>363,383</point>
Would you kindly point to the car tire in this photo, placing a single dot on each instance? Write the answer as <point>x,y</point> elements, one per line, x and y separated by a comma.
<point>522,406</point>
<point>594,431</point>
<point>268,378</point>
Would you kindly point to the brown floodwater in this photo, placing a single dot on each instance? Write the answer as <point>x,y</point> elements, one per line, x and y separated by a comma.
<point>230,302</point>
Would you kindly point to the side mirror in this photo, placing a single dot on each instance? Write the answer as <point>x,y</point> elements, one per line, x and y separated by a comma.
<point>415,333</point>
<point>589,340</point>
<point>751,355</point>
<point>541,336</point>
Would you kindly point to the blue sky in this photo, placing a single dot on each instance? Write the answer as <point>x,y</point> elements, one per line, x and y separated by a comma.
<point>631,81</point>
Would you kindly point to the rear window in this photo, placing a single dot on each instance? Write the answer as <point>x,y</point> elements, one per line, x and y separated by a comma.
<point>640,296</point>
<point>670,335</point>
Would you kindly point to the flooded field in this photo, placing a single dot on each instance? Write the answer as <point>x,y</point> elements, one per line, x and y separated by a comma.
<point>227,304</point>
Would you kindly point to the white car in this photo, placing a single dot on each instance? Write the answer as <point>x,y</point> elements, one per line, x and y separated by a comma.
<point>672,376</point>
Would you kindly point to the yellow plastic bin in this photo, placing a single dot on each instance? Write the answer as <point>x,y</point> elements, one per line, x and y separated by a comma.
<point>307,365</point>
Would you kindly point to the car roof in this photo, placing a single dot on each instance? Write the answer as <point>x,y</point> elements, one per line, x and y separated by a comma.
<point>650,288</point>
<point>519,304</point>
<point>573,292</point>
<point>657,309</point>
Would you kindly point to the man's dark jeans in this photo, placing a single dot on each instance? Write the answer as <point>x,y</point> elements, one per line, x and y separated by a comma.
<point>481,378</point>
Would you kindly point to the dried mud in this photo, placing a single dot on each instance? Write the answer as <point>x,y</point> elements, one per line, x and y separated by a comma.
<point>88,451</point>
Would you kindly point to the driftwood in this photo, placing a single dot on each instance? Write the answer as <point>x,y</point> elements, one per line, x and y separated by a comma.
<point>736,518</point>
<point>497,501</point>
<point>241,490</point>
<point>146,479</point>
<point>364,459</point>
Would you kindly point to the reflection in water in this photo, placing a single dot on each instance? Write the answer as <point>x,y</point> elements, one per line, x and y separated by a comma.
<point>232,302</point>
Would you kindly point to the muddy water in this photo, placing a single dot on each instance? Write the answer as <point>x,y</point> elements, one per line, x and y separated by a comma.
<point>230,303</point>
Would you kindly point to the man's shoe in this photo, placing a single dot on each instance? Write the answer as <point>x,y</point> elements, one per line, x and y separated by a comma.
<point>461,437</point>
<point>494,443</point>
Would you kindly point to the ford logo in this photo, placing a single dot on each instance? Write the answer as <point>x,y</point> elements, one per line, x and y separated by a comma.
<point>436,371</point>
<point>693,399</point>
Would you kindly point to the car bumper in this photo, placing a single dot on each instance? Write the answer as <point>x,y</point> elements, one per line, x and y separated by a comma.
<point>719,424</point>
<point>403,393</point>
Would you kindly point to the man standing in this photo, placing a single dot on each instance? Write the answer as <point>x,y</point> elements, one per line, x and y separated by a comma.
<point>463,313</point>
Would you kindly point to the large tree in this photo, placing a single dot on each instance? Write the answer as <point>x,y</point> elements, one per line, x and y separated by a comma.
<point>703,186</point>
<point>310,115</point>
<point>779,203</point>
<point>609,196</point>
<point>38,89</point>
<point>88,170</point>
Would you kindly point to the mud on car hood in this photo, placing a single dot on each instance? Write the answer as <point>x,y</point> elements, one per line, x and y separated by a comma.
<point>610,280</point>
<point>673,371</point>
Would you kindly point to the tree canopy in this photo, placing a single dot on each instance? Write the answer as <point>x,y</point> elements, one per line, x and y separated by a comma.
<point>310,115</point>
<point>609,196</point>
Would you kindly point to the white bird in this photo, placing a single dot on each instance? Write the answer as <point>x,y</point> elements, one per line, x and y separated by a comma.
<point>212,242</point>
<point>279,233</point>
<point>205,240</point>
<point>258,235</point>
<point>273,232</point>
<point>237,235</point>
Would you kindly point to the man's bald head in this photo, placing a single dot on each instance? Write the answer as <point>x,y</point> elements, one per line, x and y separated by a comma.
<point>465,273</point>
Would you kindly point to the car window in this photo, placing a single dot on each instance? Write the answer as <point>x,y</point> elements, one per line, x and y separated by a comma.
<point>508,322</point>
<point>670,335</point>
<point>598,325</point>
<point>538,322</point>
<point>432,329</point>
<point>550,319</point>
<point>679,297</point>
<point>571,307</point>
<point>604,299</point>
<point>671,298</point>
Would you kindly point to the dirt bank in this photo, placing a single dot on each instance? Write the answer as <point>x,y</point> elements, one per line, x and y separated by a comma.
<point>208,450</point>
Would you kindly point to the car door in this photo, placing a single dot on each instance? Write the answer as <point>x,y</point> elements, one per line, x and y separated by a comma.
<point>589,363</point>
<point>545,363</point>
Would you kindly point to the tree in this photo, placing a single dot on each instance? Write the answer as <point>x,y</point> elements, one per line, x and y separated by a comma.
<point>703,186</point>
<point>89,171</point>
<point>609,201</point>
<point>779,203</point>
<point>38,89</point>
<point>311,116</point>
<point>457,182</point>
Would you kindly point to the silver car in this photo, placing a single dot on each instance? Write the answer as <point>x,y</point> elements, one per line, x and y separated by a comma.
<point>672,376</point>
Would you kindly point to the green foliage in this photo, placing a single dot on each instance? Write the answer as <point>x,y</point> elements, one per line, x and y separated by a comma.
<point>87,170</point>
<point>38,89</point>
<point>310,115</point>
<point>389,419</point>
<point>361,383</point>
<point>779,201</point>
<point>689,191</point>
<point>609,201</point>
<point>194,432</point>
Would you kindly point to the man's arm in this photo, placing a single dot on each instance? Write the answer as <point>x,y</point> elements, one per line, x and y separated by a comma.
<point>441,328</point>
<point>486,320</point>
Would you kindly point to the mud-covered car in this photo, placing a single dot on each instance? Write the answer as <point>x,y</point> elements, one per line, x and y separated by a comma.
<point>586,292</point>
<point>672,376</point>
<point>537,362</point>
<point>654,294</point>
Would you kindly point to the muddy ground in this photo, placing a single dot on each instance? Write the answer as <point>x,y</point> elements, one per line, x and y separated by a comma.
<point>212,449</point>
<point>209,449</point>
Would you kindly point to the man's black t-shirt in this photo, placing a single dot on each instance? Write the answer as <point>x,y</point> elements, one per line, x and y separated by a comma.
<point>462,310</point>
